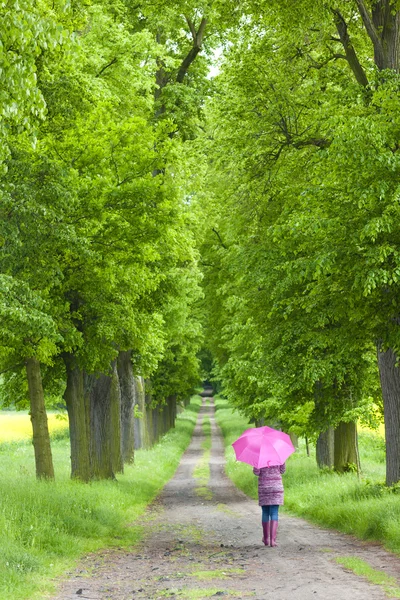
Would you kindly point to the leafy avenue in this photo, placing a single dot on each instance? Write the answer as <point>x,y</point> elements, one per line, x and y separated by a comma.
<point>161,224</point>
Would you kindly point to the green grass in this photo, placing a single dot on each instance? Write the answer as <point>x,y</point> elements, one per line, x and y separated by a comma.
<point>46,526</point>
<point>363,569</point>
<point>366,508</point>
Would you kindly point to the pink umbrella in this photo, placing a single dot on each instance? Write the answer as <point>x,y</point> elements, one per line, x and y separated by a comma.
<point>263,447</point>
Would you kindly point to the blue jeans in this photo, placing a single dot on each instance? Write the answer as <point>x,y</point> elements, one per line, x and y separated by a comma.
<point>270,513</point>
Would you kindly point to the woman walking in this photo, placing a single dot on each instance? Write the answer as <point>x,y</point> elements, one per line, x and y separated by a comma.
<point>270,497</point>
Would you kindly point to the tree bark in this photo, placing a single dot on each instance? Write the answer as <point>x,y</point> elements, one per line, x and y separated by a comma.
<point>128,398</point>
<point>165,417</point>
<point>163,79</point>
<point>172,411</point>
<point>389,373</point>
<point>115,422</point>
<point>197,37</point>
<point>383,28</point>
<point>155,419</point>
<point>148,415</point>
<point>78,416</point>
<point>307,447</point>
<point>140,422</point>
<point>351,55</point>
<point>325,449</point>
<point>105,423</point>
<point>346,447</point>
<point>41,438</point>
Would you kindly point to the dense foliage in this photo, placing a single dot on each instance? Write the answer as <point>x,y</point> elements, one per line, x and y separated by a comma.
<point>302,261</point>
<point>98,251</point>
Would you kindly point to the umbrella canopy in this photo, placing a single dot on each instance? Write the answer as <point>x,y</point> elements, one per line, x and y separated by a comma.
<point>263,447</point>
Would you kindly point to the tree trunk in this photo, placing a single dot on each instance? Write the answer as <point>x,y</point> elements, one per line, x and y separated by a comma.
<point>105,423</point>
<point>128,397</point>
<point>294,439</point>
<point>155,414</point>
<point>165,418</point>
<point>173,410</point>
<point>346,447</point>
<point>140,422</point>
<point>307,447</point>
<point>115,431</point>
<point>149,437</point>
<point>383,28</point>
<point>390,382</point>
<point>325,449</point>
<point>386,19</point>
<point>41,438</point>
<point>78,416</point>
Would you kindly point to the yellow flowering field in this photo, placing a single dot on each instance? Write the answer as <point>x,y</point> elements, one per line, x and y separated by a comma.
<point>17,425</point>
<point>380,430</point>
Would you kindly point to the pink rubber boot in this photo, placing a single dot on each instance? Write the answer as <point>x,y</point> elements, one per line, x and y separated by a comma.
<point>274,529</point>
<point>266,533</point>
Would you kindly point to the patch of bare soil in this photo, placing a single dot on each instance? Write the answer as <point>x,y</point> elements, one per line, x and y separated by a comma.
<point>203,540</point>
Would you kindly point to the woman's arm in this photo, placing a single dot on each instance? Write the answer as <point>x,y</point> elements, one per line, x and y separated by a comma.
<point>282,468</point>
<point>256,471</point>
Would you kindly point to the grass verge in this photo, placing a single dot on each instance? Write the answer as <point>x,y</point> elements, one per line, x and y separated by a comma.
<point>46,526</point>
<point>366,508</point>
<point>363,569</point>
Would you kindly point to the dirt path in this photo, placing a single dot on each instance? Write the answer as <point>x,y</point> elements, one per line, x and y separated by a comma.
<point>203,540</point>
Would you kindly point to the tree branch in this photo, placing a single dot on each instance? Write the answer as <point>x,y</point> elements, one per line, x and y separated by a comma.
<point>219,237</point>
<point>198,37</point>
<point>114,60</point>
<point>318,142</point>
<point>192,28</point>
<point>317,65</point>
<point>369,25</point>
<point>200,33</point>
<point>351,55</point>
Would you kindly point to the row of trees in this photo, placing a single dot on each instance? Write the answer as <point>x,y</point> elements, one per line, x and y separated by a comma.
<point>109,169</point>
<point>302,263</point>
<point>99,279</point>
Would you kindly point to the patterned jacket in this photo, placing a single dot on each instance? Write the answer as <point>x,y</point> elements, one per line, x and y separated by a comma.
<point>270,486</point>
